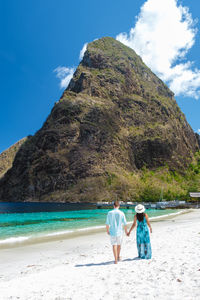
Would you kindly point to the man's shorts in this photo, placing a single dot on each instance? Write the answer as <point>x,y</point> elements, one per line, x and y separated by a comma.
<point>116,240</point>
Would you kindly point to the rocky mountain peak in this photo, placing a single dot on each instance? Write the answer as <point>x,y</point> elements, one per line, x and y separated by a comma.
<point>115,119</point>
<point>110,68</point>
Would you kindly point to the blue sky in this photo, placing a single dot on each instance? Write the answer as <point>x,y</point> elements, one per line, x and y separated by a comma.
<point>38,37</point>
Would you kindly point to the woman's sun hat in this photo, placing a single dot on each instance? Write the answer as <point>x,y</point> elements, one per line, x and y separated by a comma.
<point>139,209</point>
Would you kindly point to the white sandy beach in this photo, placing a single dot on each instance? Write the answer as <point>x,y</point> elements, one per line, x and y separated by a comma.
<point>82,267</point>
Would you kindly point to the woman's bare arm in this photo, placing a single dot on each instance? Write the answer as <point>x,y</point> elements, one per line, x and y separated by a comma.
<point>148,223</point>
<point>133,225</point>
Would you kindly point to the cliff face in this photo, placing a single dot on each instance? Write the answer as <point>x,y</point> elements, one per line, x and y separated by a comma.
<point>198,138</point>
<point>115,116</point>
<point>7,157</point>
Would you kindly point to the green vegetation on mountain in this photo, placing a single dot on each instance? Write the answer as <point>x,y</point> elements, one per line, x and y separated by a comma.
<point>117,131</point>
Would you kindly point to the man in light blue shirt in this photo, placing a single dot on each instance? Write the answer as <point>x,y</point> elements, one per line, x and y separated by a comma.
<point>115,225</point>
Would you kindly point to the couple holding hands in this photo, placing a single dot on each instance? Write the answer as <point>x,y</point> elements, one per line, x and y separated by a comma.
<point>116,223</point>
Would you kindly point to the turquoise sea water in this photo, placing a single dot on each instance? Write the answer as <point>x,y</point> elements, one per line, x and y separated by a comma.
<point>18,227</point>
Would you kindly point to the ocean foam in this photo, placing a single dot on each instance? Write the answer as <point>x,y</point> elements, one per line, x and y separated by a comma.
<point>58,233</point>
<point>14,240</point>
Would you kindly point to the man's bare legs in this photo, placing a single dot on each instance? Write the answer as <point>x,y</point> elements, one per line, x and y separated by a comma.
<point>116,252</point>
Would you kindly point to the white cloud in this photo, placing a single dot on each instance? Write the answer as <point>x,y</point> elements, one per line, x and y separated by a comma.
<point>163,34</point>
<point>64,74</point>
<point>83,51</point>
<point>198,130</point>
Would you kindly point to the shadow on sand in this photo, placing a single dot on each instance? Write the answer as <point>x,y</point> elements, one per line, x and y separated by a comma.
<point>107,263</point>
<point>99,264</point>
<point>131,259</point>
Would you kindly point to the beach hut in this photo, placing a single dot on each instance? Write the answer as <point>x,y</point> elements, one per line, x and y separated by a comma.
<point>195,195</point>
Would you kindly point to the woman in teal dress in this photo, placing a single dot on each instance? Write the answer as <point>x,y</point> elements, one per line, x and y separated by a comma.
<point>143,238</point>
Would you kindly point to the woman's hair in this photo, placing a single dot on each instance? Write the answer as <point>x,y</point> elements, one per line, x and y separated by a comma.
<point>140,217</point>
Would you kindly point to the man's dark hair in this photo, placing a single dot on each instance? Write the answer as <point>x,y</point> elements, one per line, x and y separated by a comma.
<point>116,203</point>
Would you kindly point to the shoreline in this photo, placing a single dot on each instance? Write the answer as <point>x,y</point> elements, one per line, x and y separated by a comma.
<point>82,267</point>
<point>20,241</point>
